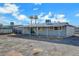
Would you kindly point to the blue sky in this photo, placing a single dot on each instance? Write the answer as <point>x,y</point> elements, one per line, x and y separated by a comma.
<point>57,12</point>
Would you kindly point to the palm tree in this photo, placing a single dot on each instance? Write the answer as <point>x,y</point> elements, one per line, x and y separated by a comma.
<point>35,18</point>
<point>31,30</point>
<point>31,17</point>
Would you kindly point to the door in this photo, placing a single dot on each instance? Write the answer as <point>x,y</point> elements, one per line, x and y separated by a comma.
<point>32,31</point>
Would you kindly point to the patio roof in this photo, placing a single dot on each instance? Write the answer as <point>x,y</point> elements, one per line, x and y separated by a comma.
<point>49,25</point>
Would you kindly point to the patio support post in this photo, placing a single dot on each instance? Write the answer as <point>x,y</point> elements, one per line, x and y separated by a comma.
<point>47,31</point>
<point>37,30</point>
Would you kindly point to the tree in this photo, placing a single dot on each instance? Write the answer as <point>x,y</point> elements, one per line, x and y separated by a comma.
<point>31,17</point>
<point>35,17</point>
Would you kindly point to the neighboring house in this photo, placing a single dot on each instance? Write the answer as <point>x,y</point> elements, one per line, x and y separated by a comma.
<point>17,29</point>
<point>5,30</point>
<point>53,29</point>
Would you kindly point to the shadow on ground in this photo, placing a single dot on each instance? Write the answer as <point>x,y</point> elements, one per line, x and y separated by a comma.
<point>74,40</point>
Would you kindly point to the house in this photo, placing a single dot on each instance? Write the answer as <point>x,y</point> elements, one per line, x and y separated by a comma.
<point>49,29</point>
<point>18,29</point>
<point>5,30</point>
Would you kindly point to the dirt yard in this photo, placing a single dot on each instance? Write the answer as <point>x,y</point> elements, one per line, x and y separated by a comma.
<point>12,45</point>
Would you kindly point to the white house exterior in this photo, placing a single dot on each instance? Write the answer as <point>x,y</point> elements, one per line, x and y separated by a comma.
<point>70,30</point>
<point>55,29</point>
<point>77,30</point>
<point>5,30</point>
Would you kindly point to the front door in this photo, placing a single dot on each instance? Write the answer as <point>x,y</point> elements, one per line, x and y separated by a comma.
<point>32,31</point>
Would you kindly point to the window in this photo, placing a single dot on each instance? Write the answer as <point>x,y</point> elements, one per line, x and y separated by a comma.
<point>50,28</point>
<point>62,27</point>
<point>59,28</point>
<point>41,29</point>
<point>55,28</point>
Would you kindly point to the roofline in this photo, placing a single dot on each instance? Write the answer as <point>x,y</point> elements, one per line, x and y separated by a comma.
<point>70,25</point>
<point>50,26</point>
<point>44,25</point>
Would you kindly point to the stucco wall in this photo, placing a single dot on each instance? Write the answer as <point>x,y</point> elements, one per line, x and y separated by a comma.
<point>42,32</point>
<point>70,31</point>
<point>26,31</point>
<point>56,33</point>
<point>77,30</point>
<point>5,31</point>
<point>45,31</point>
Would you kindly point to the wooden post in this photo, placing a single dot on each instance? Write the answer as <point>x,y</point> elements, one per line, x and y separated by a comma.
<point>37,30</point>
<point>47,31</point>
<point>58,32</point>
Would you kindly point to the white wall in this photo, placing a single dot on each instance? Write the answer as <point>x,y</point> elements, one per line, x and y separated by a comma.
<point>77,30</point>
<point>66,32</point>
<point>56,33</point>
<point>44,32</point>
<point>70,31</point>
<point>5,31</point>
<point>26,31</point>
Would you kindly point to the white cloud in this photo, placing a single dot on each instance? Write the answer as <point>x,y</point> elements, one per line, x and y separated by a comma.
<point>41,15</point>
<point>53,17</point>
<point>77,14</point>
<point>15,14</point>
<point>9,8</point>
<point>35,8</point>
<point>47,16</point>
<point>63,20</point>
<point>59,20</point>
<point>38,3</point>
<point>59,15</point>
<point>12,9</point>
<point>3,20</point>
<point>21,17</point>
<point>50,14</point>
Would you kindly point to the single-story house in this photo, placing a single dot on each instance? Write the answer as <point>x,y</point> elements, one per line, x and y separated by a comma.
<point>5,30</point>
<point>53,29</point>
<point>18,29</point>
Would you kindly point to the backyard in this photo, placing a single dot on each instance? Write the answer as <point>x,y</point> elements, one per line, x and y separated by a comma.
<point>26,45</point>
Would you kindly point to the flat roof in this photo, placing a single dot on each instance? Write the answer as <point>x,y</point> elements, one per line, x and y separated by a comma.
<point>46,25</point>
<point>49,25</point>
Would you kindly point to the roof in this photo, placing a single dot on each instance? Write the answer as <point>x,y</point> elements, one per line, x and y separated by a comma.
<point>5,27</point>
<point>49,25</point>
<point>45,25</point>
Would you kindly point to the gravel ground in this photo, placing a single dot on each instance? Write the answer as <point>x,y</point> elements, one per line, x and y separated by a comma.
<point>11,45</point>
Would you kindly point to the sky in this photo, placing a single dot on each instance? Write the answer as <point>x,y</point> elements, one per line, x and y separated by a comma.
<point>57,12</point>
